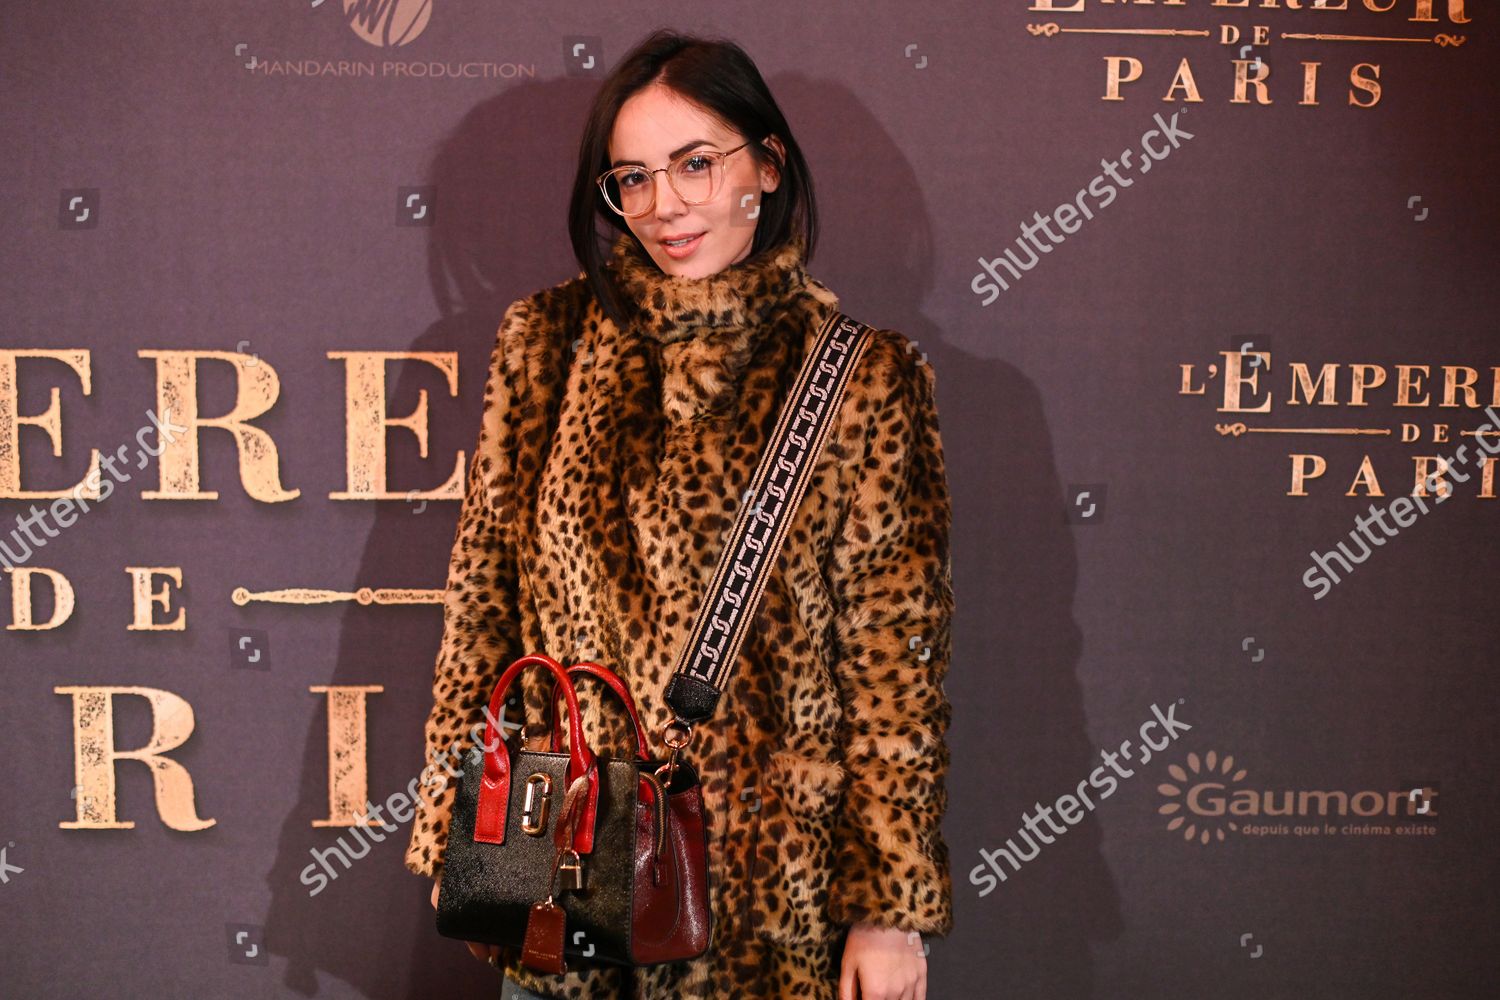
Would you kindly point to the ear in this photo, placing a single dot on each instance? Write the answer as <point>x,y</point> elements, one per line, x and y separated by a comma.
<point>770,175</point>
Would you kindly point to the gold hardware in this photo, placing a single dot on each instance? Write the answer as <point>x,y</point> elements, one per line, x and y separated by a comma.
<point>681,741</point>
<point>676,735</point>
<point>572,871</point>
<point>661,810</point>
<point>534,806</point>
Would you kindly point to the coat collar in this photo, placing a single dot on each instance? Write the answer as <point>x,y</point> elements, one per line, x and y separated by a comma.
<point>742,297</point>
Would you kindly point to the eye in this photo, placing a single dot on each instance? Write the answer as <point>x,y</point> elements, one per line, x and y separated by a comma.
<point>630,179</point>
<point>696,162</point>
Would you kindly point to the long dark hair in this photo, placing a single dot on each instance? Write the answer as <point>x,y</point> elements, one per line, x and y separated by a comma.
<point>717,75</point>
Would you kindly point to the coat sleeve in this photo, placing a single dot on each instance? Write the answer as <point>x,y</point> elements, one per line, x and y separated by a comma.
<point>891,581</point>
<point>480,622</point>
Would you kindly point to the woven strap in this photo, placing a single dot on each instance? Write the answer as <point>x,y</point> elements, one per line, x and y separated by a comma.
<point>781,479</point>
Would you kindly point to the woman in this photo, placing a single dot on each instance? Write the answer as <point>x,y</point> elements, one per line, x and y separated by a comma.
<point>625,411</point>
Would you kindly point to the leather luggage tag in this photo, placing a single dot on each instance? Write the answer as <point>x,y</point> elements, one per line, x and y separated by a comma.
<point>543,946</point>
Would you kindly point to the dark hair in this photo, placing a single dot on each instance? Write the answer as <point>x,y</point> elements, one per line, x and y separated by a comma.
<point>717,75</point>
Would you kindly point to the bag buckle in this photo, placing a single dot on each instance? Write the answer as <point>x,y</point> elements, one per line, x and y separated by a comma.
<point>675,735</point>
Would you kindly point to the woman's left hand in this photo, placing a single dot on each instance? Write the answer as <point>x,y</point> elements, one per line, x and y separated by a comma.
<point>886,963</point>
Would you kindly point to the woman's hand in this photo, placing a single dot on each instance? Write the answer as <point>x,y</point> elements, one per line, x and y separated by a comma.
<point>481,951</point>
<point>883,963</point>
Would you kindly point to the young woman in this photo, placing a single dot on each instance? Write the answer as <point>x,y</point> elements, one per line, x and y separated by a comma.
<point>625,411</point>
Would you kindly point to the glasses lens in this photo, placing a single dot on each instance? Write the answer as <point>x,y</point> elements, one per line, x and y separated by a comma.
<point>696,176</point>
<point>629,190</point>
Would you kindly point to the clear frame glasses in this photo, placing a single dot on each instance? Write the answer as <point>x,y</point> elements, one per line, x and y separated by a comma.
<point>696,176</point>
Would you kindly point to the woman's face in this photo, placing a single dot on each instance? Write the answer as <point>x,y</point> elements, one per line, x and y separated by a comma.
<point>654,125</point>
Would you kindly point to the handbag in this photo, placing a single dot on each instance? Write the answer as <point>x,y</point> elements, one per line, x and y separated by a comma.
<point>575,854</point>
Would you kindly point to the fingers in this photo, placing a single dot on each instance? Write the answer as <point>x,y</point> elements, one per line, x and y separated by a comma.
<point>896,978</point>
<point>484,952</point>
<point>846,979</point>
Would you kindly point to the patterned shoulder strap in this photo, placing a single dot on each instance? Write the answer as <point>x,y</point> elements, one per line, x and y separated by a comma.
<point>781,479</point>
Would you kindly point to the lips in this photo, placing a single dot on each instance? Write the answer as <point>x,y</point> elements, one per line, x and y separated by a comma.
<point>679,252</point>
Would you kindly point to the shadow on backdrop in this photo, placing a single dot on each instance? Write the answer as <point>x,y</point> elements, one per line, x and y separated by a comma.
<point>502,179</point>
<point>1018,734</point>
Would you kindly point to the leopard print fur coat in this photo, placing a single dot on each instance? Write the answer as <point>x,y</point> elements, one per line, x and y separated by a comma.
<point>609,468</point>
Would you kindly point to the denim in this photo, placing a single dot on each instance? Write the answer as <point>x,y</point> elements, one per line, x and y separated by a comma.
<point>509,990</point>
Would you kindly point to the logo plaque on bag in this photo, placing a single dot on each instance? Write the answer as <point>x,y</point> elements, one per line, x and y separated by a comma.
<point>534,808</point>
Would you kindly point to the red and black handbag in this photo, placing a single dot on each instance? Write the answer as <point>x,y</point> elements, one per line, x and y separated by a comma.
<point>572,854</point>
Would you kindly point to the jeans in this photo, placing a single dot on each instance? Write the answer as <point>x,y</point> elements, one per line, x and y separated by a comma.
<point>510,991</point>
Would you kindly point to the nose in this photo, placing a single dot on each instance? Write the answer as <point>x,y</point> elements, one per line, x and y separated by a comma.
<point>668,205</point>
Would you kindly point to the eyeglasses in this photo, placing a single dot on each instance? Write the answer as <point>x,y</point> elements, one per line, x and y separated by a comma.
<point>696,176</point>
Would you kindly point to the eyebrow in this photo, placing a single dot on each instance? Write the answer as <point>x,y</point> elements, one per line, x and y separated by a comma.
<point>670,156</point>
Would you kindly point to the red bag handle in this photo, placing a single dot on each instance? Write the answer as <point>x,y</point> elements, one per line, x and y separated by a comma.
<point>616,685</point>
<point>494,790</point>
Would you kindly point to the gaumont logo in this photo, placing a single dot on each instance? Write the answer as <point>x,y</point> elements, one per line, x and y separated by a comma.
<point>1196,822</point>
<point>388,23</point>
<point>1211,799</point>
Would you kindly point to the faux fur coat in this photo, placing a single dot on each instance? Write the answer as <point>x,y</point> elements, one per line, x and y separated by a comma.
<point>609,468</point>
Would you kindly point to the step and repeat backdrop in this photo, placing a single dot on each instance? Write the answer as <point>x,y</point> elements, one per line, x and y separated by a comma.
<point>1209,289</point>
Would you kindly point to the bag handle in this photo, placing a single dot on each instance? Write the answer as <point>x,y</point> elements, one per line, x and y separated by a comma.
<point>616,685</point>
<point>780,481</point>
<point>494,790</point>
<point>649,779</point>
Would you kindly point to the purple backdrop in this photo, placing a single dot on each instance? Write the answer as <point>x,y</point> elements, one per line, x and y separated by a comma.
<point>285,180</point>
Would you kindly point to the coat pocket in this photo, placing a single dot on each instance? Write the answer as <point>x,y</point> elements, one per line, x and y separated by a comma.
<point>795,807</point>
